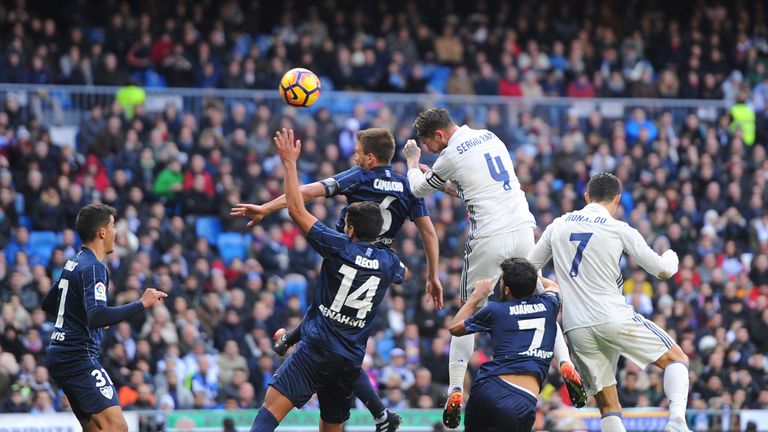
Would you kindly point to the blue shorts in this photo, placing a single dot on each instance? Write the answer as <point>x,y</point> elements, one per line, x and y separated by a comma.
<point>311,369</point>
<point>88,387</point>
<point>495,405</point>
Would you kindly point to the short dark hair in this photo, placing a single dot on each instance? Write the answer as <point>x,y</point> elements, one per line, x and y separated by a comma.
<point>92,218</point>
<point>603,187</point>
<point>431,120</point>
<point>378,141</point>
<point>365,217</point>
<point>519,276</point>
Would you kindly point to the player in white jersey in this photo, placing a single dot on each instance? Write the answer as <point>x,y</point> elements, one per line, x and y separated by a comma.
<point>586,246</point>
<point>478,165</point>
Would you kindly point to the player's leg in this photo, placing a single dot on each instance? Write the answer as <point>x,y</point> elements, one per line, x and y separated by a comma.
<point>111,419</point>
<point>597,360</point>
<point>479,406</point>
<point>335,392</point>
<point>479,263</point>
<point>276,407</point>
<point>385,420</point>
<point>651,344</point>
<point>522,242</point>
<point>610,410</point>
<point>676,384</point>
<point>291,386</point>
<point>91,394</point>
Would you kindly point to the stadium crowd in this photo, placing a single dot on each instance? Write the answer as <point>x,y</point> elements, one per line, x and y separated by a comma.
<point>685,49</point>
<point>695,185</point>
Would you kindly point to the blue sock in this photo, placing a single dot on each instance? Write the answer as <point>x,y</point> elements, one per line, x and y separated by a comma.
<point>264,422</point>
<point>365,392</point>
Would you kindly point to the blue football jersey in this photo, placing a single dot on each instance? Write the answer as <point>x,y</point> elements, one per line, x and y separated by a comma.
<point>523,335</point>
<point>353,280</point>
<point>82,286</point>
<point>382,186</point>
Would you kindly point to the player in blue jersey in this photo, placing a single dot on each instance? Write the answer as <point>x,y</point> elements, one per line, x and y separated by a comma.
<point>354,277</point>
<point>523,327</point>
<point>371,180</point>
<point>79,301</point>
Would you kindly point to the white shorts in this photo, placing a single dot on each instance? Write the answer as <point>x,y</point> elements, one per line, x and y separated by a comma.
<point>483,257</point>
<point>596,350</point>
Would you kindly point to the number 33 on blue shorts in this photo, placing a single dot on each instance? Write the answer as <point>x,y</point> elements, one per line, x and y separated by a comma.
<point>87,385</point>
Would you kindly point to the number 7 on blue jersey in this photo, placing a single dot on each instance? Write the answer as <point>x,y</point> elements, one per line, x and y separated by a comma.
<point>583,239</point>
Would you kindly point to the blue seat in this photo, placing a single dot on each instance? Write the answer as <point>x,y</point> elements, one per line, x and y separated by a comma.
<point>208,227</point>
<point>232,245</point>
<point>296,284</point>
<point>41,245</point>
<point>25,221</point>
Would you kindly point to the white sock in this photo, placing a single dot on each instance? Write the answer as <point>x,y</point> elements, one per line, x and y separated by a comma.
<point>561,349</point>
<point>612,423</point>
<point>676,388</point>
<point>462,348</point>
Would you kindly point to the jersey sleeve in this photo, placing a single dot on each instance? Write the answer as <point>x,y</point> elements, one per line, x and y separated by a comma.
<point>326,241</point>
<point>399,272</point>
<point>552,298</point>
<point>418,208</point>
<point>422,184</point>
<point>481,321</point>
<point>542,252</point>
<point>342,182</point>
<point>95,283</point>
<point>661,266</point>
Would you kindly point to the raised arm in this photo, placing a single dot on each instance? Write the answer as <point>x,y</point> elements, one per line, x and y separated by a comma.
<point>432,252</point>
<point>481,321</point>
<point>422,183</point>
<point>662,266</point>
<point>258,212</point>
<point>289,150</point>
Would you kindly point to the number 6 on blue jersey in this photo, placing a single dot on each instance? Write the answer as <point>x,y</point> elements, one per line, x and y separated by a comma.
<point>583,239</point>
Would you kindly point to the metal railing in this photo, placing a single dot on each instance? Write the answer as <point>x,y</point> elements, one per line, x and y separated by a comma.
<point>68,105</point>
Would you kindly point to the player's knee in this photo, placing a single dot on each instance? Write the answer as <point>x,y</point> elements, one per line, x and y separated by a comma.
<point>679,355</point>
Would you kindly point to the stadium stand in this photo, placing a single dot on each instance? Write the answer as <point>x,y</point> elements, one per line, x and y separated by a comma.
<point>695,179</point>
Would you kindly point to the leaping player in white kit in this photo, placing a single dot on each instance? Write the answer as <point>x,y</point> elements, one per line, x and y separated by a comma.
<point>478,165</point>
<point>586,246</point>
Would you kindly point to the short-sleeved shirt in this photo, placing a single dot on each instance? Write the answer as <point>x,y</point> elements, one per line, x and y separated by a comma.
<point>354,277</point>
<point>380,185</point>
<point>523,335</point>
<point>82,286</point>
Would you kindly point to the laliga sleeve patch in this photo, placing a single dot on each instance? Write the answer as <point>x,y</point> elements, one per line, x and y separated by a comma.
<point>100,291</point>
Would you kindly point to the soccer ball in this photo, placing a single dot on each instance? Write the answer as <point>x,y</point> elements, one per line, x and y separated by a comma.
<point>300,87</point>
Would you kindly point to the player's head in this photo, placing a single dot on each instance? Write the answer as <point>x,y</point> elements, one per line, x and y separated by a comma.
<point>363,221</point>
<point>96,223</point>
<point>434,128</point>
<point>374,147</point>
<point>518,279</point>
<point>604,188</point>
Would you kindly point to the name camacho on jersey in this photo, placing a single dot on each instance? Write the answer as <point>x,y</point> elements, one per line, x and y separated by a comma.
<point>479,165</point>
<point>353,280</point>
<point>382,186</point>
<point>522,332</point>
<point>82,286</point>
<point>586,247</point>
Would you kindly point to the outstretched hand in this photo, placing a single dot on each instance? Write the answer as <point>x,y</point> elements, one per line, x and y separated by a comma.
<point>152,296</point>
<point>252,211</point>
<point>288,148</point>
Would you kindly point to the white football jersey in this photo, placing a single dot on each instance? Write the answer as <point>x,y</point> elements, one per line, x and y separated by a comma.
<point>586,247</point>
<point>479,166</point>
